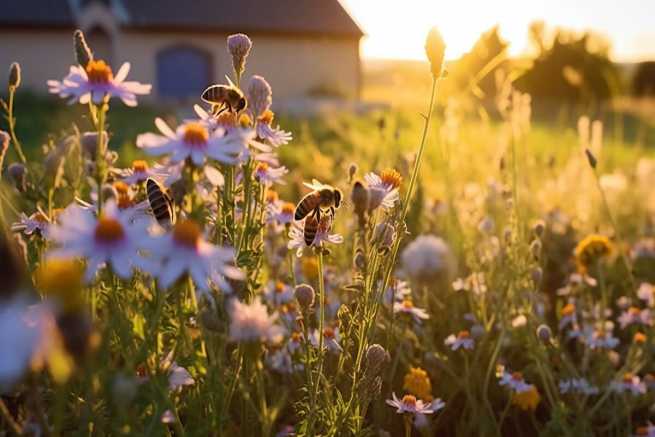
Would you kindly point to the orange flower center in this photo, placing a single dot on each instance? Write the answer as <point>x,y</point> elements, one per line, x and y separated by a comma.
<point>639,337</point>
<point>627,377</point>
<point>463,334</point>
<point>328,333</point>
<point>39,217</point>
<point>261,167</point>
<point>187,233</point>
<point>271,196</point>
<point>195,134</point>
<point>567,310</point>
<point>244,120</point>
<point>409,400</point>
<point>99,72</point>
<point>124,201</point>
<point>121,188</point>
<point>295,336</point>
<point>391,177</point>
<point>266,117</point>
<point>642,430</point>
<point>408,304</point>
<point>279,287</point>
<point>139,166</point>
<point>288,208</point>
<point>517,376</point>
<point>634,311</point>
<point>109,230</point>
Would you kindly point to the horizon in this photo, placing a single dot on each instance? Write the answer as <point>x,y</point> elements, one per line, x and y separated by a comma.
<point>625,25</point>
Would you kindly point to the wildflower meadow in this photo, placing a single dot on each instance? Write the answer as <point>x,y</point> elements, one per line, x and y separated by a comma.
<point>416,274</point>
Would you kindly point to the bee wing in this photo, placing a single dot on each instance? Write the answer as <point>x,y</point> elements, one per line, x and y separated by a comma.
<point>204,96</point>
<point>314,186</point>
<point>229,82</point>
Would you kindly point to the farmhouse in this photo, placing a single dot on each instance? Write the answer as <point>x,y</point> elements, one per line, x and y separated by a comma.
<point>302,47</point>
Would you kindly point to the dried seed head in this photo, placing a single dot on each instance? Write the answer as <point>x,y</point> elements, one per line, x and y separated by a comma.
<point>435,50</point>
<point>538,228</point>
<point>14,76</point>
<point>305,295</point>
<point>238,46</point>
<point>83,53</point>
<point>359,260</point>
<point>359,198</point>
<point>544,334</point>
<point>591,158</point>
<point>352,170</point>
<point>535,249</point>
<point>4,146</point>
<point>376,358</point>
<point>260,95</point>
<point>18,173</point>
<point>383,235</point>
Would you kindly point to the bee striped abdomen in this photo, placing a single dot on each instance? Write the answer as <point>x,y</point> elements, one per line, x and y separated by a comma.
<point>306,205</point>
<point>310,229</point>
<point>160,204</point>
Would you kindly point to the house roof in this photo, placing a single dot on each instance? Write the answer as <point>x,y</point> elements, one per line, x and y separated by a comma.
<point>319,17</point>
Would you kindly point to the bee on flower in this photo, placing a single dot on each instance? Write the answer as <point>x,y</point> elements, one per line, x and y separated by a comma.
<point>461,340</point>
<point>407,307</point>
<point>298,242</point>
<point>95,82</point>
<point>112,238</point>
<point>629,383</point>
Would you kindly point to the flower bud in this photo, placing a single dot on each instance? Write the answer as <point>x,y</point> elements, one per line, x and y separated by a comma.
<point>239,45</point>
<point>259,95</point>
<point>359,260</point>
<point>376,358</point>
<point>435,50</point>
<point>305,295</point>
<point>4,146</point>
<point>359,198</point>
<point>383,235</point>
<point>83,53</point>
<point>535,249</point>
<point>591,158</point>
<point>18,173</point>
<point>538,228</point>
<point>352,170</point>
<point>544,334</point>
<point>14,76</point>
<point>537,274</point>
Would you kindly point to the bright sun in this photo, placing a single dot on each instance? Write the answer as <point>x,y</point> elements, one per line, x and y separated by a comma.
<point>397,29</point>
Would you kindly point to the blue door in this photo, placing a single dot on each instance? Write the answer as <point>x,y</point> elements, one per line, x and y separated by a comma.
<point>182,72</point>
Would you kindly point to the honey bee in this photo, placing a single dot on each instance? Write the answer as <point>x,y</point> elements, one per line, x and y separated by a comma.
<point>322,198</point>
<point>160,204</point>
<point>313,225</point>
<point>224,97</point>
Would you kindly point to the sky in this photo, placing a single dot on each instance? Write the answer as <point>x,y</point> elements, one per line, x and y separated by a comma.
<point>396,29</point>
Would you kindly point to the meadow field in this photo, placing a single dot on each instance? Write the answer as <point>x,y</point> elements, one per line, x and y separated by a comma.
<point>436,264</point>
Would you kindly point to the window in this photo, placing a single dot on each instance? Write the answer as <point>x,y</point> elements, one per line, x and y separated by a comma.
<point>183,72</point>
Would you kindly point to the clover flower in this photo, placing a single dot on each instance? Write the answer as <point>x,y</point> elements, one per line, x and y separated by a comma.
<point>112,238</point>
<point>95,82</point>
<point>461,340</point>
<point>184,250</point>
<point>252,323</point>
<point>410,405</point>
<point>259,96</point>
<point>192,140</point>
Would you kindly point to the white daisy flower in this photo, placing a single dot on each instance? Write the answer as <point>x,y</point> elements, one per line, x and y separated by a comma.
<point>513,381</point>
<point>577,385</point>
<point>178,377</point>
<point>409,404</point>
<point>93,83</point>
<point>280,212</point>
<point>168,417</point>
<point>646,292</point>
<point>37,222</point>
<point>461,340</point>
<point>252,323</point>
<point>297,235</point>
<point>278,293</point>
<point>407,307</point>
<point>268,175</point>
<point>192,140</point>
<point>635,316</point>
<point>274,135</point>
<point>630,383</point>
<point>140,171</point>
<point>331,339</point>
<point>383,188</point>
<point>114,238</point>
<point>184,250</point>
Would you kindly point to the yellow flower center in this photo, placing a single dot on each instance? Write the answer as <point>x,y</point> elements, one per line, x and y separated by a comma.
<point>409,400</point>
<point>288,208</point>
<point>634,311</point>
<point>244,120</point>
<point>517,376</point>
<point>639,338</point>
<point>295,336</point>
<point>261,167</point>
<point>417,381</point>
<point>279,287</point>
<point>590,250</point>
<point>463,334</point>
<point>266,117</point>
<point>99,72</point>
<point>139,166</point>
<point>187,233</point>
<point>62,280</point>
<point>195,134</point>
<point>391,177</point>
<point>567,310</point>
<point>109,230</point>
<point>121,188</point>
<point>408,304</point>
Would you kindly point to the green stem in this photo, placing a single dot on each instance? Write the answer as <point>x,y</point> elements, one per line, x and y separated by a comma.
<point>101,163</point>
<point>9,419</point>
<point>12,125</point>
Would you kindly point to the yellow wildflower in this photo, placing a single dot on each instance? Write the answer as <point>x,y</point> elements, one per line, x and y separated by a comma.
<point>418,383</point>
